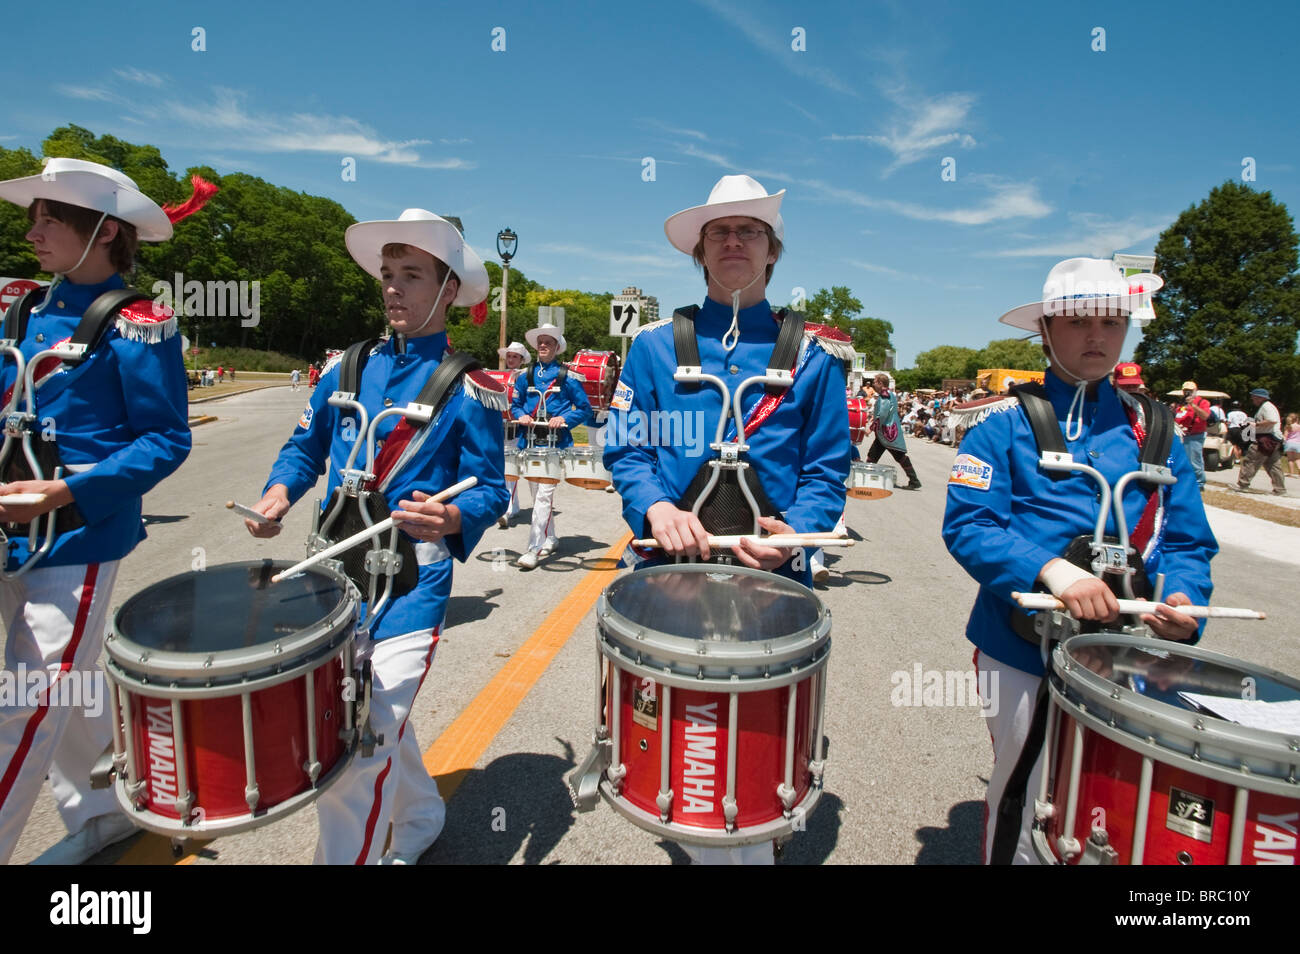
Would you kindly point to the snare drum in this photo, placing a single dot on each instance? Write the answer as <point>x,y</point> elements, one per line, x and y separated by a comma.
<point>512,458</point>
<point>233,698</point>
<point>709,713</point>
<point>859,414</point>
<point>1136,773</point>
<point>541,465</point>
<point>870,481</point>
<point>583,467</point>
<point>599,374</point>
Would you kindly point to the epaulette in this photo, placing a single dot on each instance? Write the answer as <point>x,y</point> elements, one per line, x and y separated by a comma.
<point>654,324</point>
<point>834,342</point>
<point>969,413</point>
<point>486,389</point>
<point>146,321</point>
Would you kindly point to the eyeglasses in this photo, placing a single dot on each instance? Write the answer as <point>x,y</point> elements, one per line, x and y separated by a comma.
<point>746,233</point>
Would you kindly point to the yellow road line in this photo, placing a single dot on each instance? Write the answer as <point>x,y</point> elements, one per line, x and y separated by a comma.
<point>460,746</point>
<point>463,742</point>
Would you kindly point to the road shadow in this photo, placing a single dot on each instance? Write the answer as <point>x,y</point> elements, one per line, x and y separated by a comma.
<point>470,609</point>
<point>150,519</point>
<point>814,845</point>
<point>959,843</point>
<point>849,577</point>
<point>518,801</point>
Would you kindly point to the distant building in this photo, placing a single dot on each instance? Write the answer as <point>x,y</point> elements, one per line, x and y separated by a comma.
<point>649,303</point>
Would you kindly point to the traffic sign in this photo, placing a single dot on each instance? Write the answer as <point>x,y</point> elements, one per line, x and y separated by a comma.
<point>11,289</point>
<point>624,318</point>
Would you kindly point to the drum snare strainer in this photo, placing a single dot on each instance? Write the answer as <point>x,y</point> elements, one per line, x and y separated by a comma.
<point>709,704</point>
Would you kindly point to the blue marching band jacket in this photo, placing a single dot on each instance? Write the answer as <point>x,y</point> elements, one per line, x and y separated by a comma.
<point>1006,517</point>
<point>659,430</point>
<point>569,402</point>
<point>119,419</point>
<point>464,440</point>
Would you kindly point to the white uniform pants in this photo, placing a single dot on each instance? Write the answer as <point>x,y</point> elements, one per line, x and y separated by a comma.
<point>543,531</point>
<point>55,619</point>
<point>516,493</point>
<point>1008,727</point>
<point>392,785</point>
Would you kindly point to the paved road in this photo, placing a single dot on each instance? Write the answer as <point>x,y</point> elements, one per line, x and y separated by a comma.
<point>903,785</point>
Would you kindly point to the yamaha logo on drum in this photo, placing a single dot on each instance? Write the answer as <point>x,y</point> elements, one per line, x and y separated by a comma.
<point>1190,815</point>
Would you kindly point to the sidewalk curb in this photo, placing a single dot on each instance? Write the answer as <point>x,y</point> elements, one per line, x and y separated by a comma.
<point>247,390</point>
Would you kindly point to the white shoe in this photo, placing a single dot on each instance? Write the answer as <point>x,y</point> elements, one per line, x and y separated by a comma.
<point>97,834</point>
<point>528,561</point>
<point>404,857</point>
<point>548,548</point>
<point>503,523</point>
<point>821,574</point>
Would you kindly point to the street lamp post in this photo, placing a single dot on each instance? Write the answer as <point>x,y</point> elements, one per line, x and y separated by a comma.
<point>507,242</point>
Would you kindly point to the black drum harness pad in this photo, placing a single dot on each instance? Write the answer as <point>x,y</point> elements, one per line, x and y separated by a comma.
<point>725,493</point>
<point>357,503</point>
<point>41,460</point>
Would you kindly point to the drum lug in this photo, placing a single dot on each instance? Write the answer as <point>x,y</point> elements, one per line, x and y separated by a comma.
<point>1067,848</point>
<point>786,794</point>
<point>252,795</point>
<point>1098,851</point>
<point>664,802</point>
<point>584,782</point>
<point>183,806</point>
<point>729,811</point>
<point>313,771</point>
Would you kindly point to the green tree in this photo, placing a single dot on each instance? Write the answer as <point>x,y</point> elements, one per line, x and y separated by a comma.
<point>836,306</point>
<point>945,361</point>
<point>1012,353</point>
<point>1230,309</point>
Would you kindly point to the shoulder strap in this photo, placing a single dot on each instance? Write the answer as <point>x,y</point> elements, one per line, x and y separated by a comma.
<point>788,342</point>
<point>448,372</point>
<point>532,381</point>
<point>19,311</point>
<point>94,323</point>
<point>684,343</point>
<point>353,363</point>
<point>1160,431</point>
<point>562,376</point>
<point>1042,421</point>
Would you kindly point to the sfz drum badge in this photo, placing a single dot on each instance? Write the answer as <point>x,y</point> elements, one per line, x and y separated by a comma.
<point>1190,815</point>
<point>645,705</point>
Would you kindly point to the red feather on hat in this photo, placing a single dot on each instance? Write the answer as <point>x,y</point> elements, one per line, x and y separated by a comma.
<point>203,190</point>
<point>479,312</point>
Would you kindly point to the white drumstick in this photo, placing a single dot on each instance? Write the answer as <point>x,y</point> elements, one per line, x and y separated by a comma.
<point>781,541</point>
<point>1045,601</point>
<point>249,512</point>
<point>21,500</point>
<point>381,527</point>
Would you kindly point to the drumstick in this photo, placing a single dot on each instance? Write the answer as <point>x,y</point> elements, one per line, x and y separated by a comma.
<point>21,500</point>
<point>364,535</point>
<point>779,540</point>
<point>249,512</point>
<point>1042,601</point>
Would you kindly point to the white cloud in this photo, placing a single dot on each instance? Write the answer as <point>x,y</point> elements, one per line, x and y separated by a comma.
<point>629,259</point>
<point>1009,200</point>
<point>777,44</point>
<point>921,127</point>
<point>89,92</point>
<point>144,77</point>
<point>1094,236</point>
<point>677,130</point>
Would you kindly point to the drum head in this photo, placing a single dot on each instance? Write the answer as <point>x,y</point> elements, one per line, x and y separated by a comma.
<point>702,615</point>
<point>231,618</point>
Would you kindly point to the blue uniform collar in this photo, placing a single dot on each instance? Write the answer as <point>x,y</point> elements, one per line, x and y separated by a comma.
<point>77,298</point>
<point>546,367</point>
<point>428,348</point>
<point>712,312</point>
<point>1059,390</point>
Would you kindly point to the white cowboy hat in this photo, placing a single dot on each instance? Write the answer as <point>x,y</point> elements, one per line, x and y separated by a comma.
<point>427,232</point>
<point>532,334</point>
<point>732,195</point>
<point>91,185</point>
<point>516,347</point>
<point>1086,286</point>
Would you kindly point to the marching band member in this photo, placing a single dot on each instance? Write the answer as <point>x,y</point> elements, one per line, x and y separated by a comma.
<point>119,426</point>
<point>560,411</point>
<point>515,357</point>
<point>798,437</point>
<point>1008,521</point>
<point>423,266</point>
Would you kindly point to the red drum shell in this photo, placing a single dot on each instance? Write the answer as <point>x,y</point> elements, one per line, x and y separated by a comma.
<point>599,372</point>
<point>859,414</point>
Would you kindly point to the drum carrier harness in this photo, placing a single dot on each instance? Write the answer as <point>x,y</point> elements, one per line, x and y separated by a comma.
<point>41,460</point>
<point>358,501</point>
<point>725,493</point>
<point>1111,558</point>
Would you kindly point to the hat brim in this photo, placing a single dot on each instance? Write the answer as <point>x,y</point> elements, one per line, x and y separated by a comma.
<point>1027,317</point>
<point>98,193</point>
<point>365,242</point>
<point>683,228</point>
<point>532,334</point>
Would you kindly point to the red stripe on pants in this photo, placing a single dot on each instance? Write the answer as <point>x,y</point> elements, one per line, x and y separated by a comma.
<point>65,664</point>
<point>373,819</point>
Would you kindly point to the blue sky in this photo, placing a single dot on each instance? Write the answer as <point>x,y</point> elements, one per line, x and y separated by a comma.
<point>1060,150</point>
